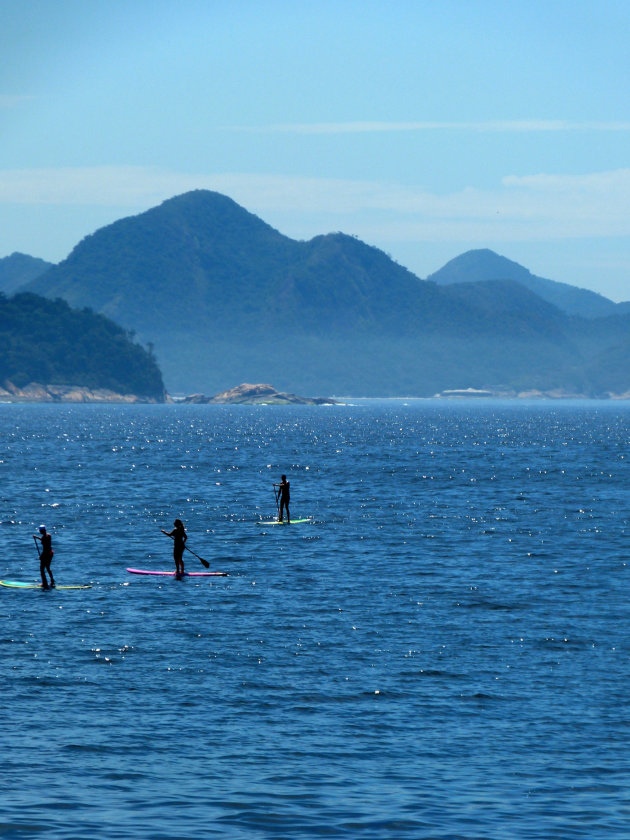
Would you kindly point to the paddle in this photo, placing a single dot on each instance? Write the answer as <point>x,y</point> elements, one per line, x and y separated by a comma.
<point>39,554</point>
<point>204,562</point>
<point>276,493</point>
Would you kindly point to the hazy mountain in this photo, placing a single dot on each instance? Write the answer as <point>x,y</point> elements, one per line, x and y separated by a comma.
<point>18,269</point>
<point>225,299</point>
<point>483,264</point>
<point>201,261</point>
<point>47,342</point>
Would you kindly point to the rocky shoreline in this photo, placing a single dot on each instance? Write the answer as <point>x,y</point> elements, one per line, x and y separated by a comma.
<point>532,394</point>
<point>244,394</point>
<point>35,392</point>
<point>248,394</point>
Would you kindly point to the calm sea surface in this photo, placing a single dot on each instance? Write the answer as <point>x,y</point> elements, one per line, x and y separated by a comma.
<point>442,653</point>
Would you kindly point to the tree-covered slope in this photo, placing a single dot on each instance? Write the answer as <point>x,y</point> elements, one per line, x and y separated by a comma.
<point>200,264</point>
<point>46,341</point>
<point>196,258</point>
<point>200,261</point>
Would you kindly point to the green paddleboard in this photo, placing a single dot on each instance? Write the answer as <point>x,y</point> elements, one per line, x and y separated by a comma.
<point>20,584</point>
<point>284,522</point>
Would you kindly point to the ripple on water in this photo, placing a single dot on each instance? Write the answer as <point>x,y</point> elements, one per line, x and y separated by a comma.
<point>440,653</point>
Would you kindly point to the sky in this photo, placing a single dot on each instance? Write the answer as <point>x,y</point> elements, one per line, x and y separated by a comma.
<point>424,128</point>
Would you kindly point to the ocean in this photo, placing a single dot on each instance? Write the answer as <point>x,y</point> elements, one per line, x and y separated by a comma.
<point>440,653</point>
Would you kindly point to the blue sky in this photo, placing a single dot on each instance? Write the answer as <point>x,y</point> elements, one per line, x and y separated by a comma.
<point>425,128</point>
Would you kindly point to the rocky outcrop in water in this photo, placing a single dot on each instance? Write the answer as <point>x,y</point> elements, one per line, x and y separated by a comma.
<point>247,394</point>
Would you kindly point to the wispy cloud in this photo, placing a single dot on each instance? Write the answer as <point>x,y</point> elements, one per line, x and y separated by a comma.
<point>10,101</point>
<point>520,208</point>
<point>614,181</point>
<point>367,127</point>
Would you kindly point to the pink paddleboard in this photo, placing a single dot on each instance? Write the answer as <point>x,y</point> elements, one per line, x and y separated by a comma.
<point>172,574</point>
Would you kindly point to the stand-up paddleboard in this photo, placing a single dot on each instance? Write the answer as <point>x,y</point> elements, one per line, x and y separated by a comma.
<point>21,584</point>
<point>284,521</point>
<point>174,574</point>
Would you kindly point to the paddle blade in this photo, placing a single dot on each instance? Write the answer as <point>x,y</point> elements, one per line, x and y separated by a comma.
<point>205,563</point>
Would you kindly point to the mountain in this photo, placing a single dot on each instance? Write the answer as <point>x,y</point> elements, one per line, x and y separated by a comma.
<point>201,261</point>
<point>483,264</point>
<point>18,269</point>
<point>224,298</point>
<point>49,343</point>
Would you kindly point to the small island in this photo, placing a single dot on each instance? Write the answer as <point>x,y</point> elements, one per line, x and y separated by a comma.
<point>247,394</point>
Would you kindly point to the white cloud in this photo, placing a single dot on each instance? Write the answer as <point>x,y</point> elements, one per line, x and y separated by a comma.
<point>519,208</point>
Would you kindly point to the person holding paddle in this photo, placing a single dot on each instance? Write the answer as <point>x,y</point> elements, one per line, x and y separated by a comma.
<point>179,537</point>
<point>283,498</point>
<point>45,556</point>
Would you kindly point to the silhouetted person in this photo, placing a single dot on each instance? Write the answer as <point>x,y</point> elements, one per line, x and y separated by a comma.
<point>179,541</point>
<point>45,556</point>
<point>283,498</point>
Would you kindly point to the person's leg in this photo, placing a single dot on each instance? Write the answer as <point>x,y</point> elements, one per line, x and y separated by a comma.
<point>42,571</point>
<point>179,563</point>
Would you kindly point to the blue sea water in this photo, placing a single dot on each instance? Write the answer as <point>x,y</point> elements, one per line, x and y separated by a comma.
<point>441,654</point>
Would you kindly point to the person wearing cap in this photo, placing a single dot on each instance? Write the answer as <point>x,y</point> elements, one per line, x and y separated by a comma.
<point>45,556</point>
<point>283,498</point>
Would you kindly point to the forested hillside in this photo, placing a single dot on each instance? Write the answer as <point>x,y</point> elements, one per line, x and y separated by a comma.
<point>225,298</point>
<point>46,341</point>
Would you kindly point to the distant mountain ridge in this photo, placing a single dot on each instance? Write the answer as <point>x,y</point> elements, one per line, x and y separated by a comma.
<point>483,264</point>
<point>18,269</point>
<point>224,297</point>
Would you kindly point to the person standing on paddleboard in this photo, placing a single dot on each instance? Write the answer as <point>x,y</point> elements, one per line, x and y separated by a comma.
<point>45,556</point>
<point>179,543</point>
<point>284,498</point>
